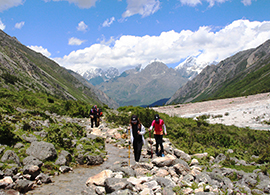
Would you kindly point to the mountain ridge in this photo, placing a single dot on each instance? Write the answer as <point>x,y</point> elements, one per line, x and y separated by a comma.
<point>143,87</point>
<point>231,77</point>
<point>24,69</point>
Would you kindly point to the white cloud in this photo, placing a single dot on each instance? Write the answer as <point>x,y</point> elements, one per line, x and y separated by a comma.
<point>82,26</point>
<point>2,25</point>
<point>108,22</point>
<point>142,7</point>
<point>194,3</point>
<point>171,47</point>
<point>19,25</point>
<point>6,4</point>
<point>75,41</point>
<point>40,49</point>
<point>247,2</point>
<point>79,3</point>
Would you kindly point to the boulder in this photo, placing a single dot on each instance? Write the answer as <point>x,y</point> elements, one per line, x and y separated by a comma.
<point>115,184</point>
<point>64,158</point>
<point>32,170</point>
<point>43,178</point>
<point>94,160</point>
<point>42,150</point>
<point>10,155</point>
<point>24,185</point>
<point>182,155</point>
<point>31,160</point>
<point>99,179</point>
<point>168,160</point>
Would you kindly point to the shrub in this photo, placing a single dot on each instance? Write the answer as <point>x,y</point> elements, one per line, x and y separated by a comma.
<point>6,134</point>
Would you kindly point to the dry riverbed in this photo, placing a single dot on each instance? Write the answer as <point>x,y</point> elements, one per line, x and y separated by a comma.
<point>249,111</point>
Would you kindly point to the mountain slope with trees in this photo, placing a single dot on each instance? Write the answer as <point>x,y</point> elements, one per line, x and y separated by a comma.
<point>245,73</point>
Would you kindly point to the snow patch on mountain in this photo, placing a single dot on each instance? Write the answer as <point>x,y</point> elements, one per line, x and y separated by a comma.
<point>98,72</point>
<point>190,68</point>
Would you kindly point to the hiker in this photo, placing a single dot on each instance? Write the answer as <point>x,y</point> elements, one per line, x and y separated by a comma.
<point>137,130</point>
<point>99,115</point>
<point>158,133</point>
<point>93,116</point>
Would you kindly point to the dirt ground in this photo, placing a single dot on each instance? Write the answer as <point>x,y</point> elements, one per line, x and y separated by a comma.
<point>249,111</point>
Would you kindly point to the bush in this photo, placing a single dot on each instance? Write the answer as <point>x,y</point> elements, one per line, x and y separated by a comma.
<point>7,136</point>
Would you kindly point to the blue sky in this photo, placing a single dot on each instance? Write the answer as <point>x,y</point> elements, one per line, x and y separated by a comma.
<point>85,34</point>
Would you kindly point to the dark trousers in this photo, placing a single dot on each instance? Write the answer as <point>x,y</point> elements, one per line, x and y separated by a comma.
<point>94,119</point>
<point>137,147</point>
<point>158,139</point>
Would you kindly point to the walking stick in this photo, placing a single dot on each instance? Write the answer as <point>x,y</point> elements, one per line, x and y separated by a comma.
<point>128,148</point>
<point>151,144</point>
<point>129,153</point>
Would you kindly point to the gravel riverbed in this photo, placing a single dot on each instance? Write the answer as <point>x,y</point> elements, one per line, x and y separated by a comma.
<point>249,111</point>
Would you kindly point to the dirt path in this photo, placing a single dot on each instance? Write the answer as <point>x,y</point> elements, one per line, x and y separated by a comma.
<point>249,111</point>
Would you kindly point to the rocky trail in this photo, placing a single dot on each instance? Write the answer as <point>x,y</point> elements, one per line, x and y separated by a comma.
<point>120,174</point>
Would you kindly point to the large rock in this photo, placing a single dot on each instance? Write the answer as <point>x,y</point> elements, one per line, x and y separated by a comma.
<point>42,150</point>
<point>30,160</point>
<point>99,179</point>
<point>24,185</point>
<point>115,184</point>
<point>64,158</point>
<point>182,155</point>
<point>168,160</point>
<point>10,155</point>
<point>94,160</point>
<point>32,170</point>
<point>43,178</point>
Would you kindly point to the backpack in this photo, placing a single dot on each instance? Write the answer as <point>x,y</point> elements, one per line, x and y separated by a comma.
<point>100,112</point>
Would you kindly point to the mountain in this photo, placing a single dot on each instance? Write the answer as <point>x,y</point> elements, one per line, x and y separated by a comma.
<point>190,68</point>
<point>96,76</point>
<point>245,73</point>
<point>24,69</point>
<point>100,94</point>
<point>142,87</point>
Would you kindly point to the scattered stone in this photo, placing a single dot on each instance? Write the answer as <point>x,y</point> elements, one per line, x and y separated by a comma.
<point>65,169</point>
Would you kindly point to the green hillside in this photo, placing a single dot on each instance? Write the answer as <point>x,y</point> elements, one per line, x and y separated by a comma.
<point>243,85</point>
<point>24,69</point>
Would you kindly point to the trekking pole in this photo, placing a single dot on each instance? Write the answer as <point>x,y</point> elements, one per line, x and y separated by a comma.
<point>151,144</point>
<point>128,149</point>
<point>129,153</point>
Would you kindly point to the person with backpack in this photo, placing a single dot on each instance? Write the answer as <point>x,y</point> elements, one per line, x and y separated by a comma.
<point>99,115</point>
<point>93,116</point>
<point>137,130</point>
<point>158,124</point>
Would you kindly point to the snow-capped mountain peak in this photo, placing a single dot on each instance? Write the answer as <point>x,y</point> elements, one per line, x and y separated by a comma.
<point>190,67</point>
<point>98,72</point>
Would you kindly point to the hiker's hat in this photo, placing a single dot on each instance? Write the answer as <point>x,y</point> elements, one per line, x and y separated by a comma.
<point>157,118</point>
<point>134,119</point>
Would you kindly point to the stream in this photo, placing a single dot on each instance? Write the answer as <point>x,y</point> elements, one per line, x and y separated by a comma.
<point>73,183</point>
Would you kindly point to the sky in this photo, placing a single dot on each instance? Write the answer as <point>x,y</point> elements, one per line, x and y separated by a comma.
<point>85,34</point>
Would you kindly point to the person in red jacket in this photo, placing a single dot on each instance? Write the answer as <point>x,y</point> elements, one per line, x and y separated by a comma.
<point>159,126</point>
